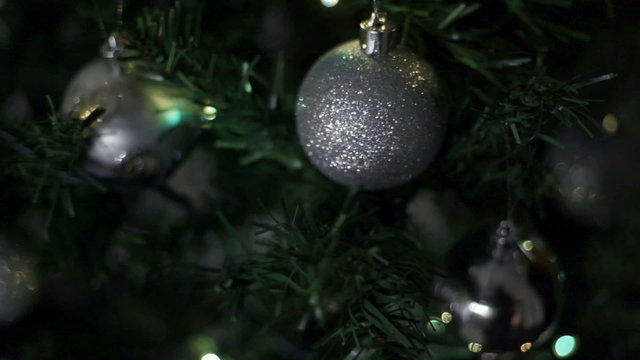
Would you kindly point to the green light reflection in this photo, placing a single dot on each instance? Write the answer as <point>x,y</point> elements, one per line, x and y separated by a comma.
<point>435,326</point>
<point>247,87</point>
<point>172,117</point>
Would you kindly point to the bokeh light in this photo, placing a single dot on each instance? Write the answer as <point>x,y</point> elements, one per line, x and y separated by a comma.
<point>172,117</point>
<point>610,123</point>
<point>209,112</point>
<point>248,88</point>
<point>329,3</point>
<point>565,346</point>
<point>210,356</point>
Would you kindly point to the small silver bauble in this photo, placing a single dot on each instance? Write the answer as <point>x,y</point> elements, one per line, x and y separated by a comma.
<point>18,285</point>
<point>368,114</point>
<point>581,170</point>
<point>503,297</point>
<point>143,130</point>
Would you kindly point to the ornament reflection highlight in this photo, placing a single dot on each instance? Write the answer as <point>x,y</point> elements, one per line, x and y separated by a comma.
<point>436,327</point>
<point>480,309</point>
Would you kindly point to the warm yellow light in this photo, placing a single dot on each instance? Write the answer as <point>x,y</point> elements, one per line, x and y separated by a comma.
<point>610,123</point>
<point>475,347</point>
<point>446,317</point>
<point>525,347</point>
<point>527,245</point>
<point>329,3</point>
<point>209,112</point>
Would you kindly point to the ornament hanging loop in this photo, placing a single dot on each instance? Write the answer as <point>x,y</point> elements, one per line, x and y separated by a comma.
<point>377,34</point>
<point>506,239</point>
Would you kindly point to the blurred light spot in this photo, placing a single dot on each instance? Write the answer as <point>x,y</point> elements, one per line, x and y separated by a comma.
<point>248,88</point>
<point>480,309</point>
<point>562,276</point>
<point>210,357</point>
<point>209,112</point>
<point>565,346</point>
<point>435,326</point>
<point>329,3</point>
<point>525,347</point>
<point>610,123</point>
<point>527,245</point>
<point>446,317</point>
<point>172,117</point>
<point>475,347</point>
<point>579,193</point>
<point>85,114</point>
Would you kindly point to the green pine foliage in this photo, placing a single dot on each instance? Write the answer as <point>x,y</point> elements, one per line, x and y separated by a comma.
<point>335,269</point>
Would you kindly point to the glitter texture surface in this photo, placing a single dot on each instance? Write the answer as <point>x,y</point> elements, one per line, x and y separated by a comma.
<point>373,123</point>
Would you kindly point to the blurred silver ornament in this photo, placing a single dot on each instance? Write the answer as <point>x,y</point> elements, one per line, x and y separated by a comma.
<point>598,176</point>
<point>18,285</point>
<point>503,297</point>
<point>370,114</point>
<point>139,126</point>
<point>580,168</point>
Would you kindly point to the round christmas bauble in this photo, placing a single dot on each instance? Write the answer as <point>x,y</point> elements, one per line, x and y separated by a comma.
<point>370,115</point>
<point>502,295</point>
<point>139,127</point>
<point>582,168</point>
<point>18,285</point>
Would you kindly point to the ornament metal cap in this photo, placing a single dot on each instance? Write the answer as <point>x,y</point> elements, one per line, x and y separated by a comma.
<point>377,35</point>
<point>112,48</point>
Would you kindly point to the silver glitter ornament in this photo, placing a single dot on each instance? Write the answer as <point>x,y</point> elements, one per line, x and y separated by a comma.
<point>143,130</point>
<point>503,297</point>
<point>370,114</point>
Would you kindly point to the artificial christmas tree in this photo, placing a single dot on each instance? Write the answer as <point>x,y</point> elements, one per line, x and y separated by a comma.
<point>243,249</point>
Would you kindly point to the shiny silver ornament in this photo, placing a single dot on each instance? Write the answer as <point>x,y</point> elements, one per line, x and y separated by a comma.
<point>503,297</point>
<point>370,114</point>
<point>141,131</point>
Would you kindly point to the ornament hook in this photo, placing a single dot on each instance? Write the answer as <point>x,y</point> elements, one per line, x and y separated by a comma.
<point>377,34</point>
